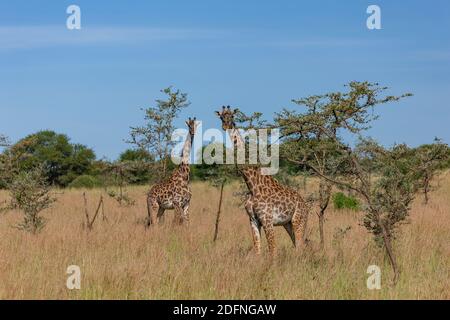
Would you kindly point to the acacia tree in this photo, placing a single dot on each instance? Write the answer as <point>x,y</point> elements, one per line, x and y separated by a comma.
<point>121,173</point>
<point>312,149</point>
<point>28,189</point>
<point>387,198</point>
<point>155,135</point>
<point>431,160</point>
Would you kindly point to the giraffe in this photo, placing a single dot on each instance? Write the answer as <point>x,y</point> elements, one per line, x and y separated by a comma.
<point>269,203</point>
<point>175,192</point>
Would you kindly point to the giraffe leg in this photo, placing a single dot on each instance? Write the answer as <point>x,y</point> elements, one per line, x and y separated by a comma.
<point>178,216</point>
<point>299,220</point>
<point>270,235</point>
<point>185,216</point>
<point>256,233</point>
<point>290,230</point>
<point>152,208</point>
<point>160,215</point>
<point>254,224</point>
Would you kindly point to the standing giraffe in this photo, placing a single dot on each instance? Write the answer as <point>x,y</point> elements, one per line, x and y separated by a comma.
<point>175,192</point>
<point>269,203</point>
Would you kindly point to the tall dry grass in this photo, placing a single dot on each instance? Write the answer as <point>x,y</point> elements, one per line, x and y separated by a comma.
<point>119,259</point>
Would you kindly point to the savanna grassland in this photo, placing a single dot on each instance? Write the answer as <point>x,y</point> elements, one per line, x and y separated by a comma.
<point>120,259</point>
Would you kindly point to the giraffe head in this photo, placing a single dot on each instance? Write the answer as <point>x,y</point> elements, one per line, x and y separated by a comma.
<point>227,117</point>
<point>192,125</point>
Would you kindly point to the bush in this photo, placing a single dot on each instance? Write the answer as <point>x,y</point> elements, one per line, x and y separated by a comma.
<point>341,201</point>
<point>85,181</point>
<point>30,193</point>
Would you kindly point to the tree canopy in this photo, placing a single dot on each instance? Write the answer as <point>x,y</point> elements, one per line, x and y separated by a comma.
<point>62,160</point>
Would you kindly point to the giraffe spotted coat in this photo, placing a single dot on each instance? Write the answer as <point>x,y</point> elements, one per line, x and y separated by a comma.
<point>269,203</point>
<point>174,193</point>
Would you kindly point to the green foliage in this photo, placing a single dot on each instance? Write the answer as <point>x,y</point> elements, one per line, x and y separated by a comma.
<point>141,165</point>
<point>253,121</point>
<point>121,197</point>
<point>211,171</point>
<point>155,135</point>
<point>62,160</point>
<point>136,155</point>
<point>328,118</point>
<point>393,192</point>
<point>30,193</point>
<point>287,178</point>
<point>119,174</point>
<point>431,159</point>
<point>85,181</point>
<point>341,201</point>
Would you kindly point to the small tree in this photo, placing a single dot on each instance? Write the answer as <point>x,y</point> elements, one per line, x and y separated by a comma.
<point>30,193</point>
<point>89,223</point>
<point>218,175</point>
<point>387,198</point>
<point>122,175</point>
<point>432,158</point>
<point>155,136</point>
<point>219,182</point>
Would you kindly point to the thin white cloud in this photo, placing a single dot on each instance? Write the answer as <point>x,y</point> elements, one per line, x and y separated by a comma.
<point>320,42</point>
<point>34,37</point>
<point>433,55</point>
<point>30,37</point>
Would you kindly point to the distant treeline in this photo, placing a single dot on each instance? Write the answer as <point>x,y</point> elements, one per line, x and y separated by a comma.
<point>71,165</point>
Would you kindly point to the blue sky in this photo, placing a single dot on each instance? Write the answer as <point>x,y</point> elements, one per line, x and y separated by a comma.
<point>255,55</point>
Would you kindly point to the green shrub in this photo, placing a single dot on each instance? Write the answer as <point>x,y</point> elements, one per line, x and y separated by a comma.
<point>85,181</point>
<point>341,201</point>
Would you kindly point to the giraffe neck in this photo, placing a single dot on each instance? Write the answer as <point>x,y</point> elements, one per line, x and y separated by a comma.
<point>236,138</point>
<point>186,153</point>
<point>239,146</point>
<point>183,171</point>
<point>249,173</point>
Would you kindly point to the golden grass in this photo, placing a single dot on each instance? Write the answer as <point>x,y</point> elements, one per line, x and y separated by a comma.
<point>119,259</point>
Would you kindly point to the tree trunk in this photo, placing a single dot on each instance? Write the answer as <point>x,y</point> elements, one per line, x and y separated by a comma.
<point>86,212</point>
<point>426,190</point>
<point>324,195</point>
<point>390,252</point>
<point>216,231</point>
<point>321,222</point>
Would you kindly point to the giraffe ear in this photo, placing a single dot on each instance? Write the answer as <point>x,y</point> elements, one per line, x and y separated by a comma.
<point>236,110</point>
<point>217,112</point>
<point>187,123</point>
